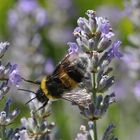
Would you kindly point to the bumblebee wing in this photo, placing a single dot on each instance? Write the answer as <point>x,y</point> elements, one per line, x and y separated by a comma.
<point>64,65</point>
<point>80,97</point>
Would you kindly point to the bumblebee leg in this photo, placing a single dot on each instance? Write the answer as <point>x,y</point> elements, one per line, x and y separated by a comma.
<point>44,104</point>
<point>30,100</point>
<point>21,89</point>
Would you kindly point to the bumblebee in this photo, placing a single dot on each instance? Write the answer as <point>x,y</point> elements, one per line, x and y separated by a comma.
<point>68,74</point>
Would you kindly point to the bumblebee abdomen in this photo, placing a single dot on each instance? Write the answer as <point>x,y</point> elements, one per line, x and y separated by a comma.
<point>75,75</point>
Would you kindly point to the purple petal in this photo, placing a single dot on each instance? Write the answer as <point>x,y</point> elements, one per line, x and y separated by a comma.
<point>77,30</point>
<point>81,22</point>
<point>109,35</point>
<point>103,25</point>
<point>73,47</point>
<point>13,67</point>
<point>114,51</point>
<point>14,76</point>
<point>115,47</point>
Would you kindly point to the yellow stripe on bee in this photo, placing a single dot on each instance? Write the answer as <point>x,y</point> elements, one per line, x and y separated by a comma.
<point>67,80</point>
<point>43,86</point>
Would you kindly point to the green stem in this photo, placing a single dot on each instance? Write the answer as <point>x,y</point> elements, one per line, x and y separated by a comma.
<point>94,100</point>
<point>95,130</point>
<point>2,133</point>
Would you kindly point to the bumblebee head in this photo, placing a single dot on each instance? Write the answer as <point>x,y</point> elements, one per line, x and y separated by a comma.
<point>41,96</point>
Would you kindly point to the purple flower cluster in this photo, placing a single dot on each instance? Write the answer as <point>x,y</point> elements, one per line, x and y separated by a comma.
<point>95,34</point>
<point>7,116</point>
<point>9,73</point>
<point>28,8</point>
<point>94,37</point>
<point>14,76</point>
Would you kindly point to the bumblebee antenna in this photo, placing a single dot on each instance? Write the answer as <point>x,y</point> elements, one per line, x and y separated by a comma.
<point>26,90</point>
<point>30,81</point>
<point>30,92</point>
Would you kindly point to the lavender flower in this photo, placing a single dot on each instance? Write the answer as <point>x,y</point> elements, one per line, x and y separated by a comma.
<point>37,126</point>
<point>8,73</point>
<point>108,134</point>
<point>14,76</point>
<point>130,65</point>
<point>26,21</point>
<point>93,37</point>
<point>94,33</point>
<point>6,118</point>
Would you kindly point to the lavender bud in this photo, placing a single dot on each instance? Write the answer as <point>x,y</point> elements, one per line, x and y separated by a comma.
<point>3,89</point>
<point>90,14</point>
<point>83,24</point>
<point>92,21</point>
<point>8,68</point>
<point>105,83</point>
<point>14,114</point>
<point>3,48</point>
<point>99,101</point>
<point>91,44</point>
<point>7,105</point>
<point>108,134</point>
<point>90,124</point>
<point>77,32</point>
<point>2,117</point>
<point>103,44</point>
<point>2,68</point>
<point>102,82</point>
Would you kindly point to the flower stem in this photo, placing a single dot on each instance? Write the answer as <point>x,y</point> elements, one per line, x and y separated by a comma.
<point>94,100</point>
<point>95,130</point>
<point>2,133</point>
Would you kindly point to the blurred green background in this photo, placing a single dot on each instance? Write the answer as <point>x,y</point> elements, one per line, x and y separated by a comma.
<point>32,40</point>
